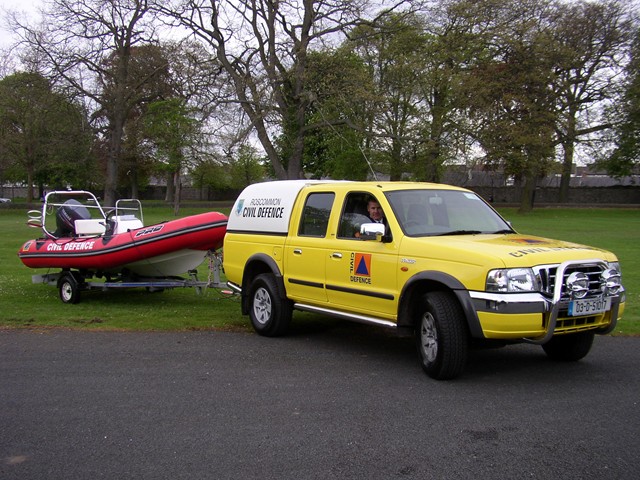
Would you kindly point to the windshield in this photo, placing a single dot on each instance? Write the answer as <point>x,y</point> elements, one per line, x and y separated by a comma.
<point>427,212</point>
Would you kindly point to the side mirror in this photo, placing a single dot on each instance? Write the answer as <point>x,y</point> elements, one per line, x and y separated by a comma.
<point>372,231</point>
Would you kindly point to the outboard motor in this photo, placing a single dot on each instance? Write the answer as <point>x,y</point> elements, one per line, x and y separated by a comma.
<point>67,214</point>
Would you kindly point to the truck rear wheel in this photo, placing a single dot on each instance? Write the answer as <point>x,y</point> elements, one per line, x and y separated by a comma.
<point>569,348</point>
<point>442,336</point>
<point>269,313</point>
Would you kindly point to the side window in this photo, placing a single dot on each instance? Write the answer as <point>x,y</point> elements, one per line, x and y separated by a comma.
<point>315,215</point>
<point>353,215</point>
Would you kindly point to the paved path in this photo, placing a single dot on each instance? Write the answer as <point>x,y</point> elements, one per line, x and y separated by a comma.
<point>343,402</point>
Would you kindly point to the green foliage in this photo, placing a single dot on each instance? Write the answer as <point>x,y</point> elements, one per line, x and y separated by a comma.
<point>334,140</point>
<point>246,169</point>
<point>44,137</point>
<point>235,173</point>
<point>626,155</point>
<point>394,53</point>
<point>171,127</point>
<point>335,153</point>
<point>511,96</point>
<point>517,83</point>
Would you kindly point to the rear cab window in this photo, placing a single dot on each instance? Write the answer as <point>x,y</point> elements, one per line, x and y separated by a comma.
<point>315,214</point>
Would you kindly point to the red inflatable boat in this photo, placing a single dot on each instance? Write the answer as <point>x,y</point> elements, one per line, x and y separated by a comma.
<point>78,234</point>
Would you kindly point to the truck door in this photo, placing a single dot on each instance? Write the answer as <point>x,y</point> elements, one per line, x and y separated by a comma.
<point>361,274</point>
<point>305,250</point>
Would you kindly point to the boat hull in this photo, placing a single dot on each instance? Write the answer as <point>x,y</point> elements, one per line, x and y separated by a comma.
<point>164,249</point>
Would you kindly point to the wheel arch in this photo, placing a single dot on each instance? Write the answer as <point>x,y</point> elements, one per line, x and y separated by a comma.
<point>258,264</point>
<point>429,281</point>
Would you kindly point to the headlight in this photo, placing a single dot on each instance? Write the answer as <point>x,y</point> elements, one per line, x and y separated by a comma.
<point>611,280</point>
<point>512,280</point>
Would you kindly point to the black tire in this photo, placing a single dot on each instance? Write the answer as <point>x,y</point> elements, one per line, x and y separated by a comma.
<point>569,348</point>
<point>270,314</point>
<point>68,288</point>
<point>442,336</point>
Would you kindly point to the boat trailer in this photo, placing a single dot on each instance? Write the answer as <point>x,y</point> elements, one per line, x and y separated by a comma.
<point>71,283</point>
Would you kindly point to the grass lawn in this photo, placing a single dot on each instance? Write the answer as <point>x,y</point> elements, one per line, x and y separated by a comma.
<point>23,303</point>
<point>616,230</point>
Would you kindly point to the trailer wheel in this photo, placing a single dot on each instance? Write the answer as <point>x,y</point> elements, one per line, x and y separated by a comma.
<point>69,288</point>
<point>270,314</point>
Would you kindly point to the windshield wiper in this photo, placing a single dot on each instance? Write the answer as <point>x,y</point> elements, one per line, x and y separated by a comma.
<point>459,232</point>
<point>506,230</point>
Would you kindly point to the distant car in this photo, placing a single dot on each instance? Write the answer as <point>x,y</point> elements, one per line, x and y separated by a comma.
<point>5,200</point>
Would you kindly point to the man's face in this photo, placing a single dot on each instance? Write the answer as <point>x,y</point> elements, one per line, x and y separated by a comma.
<point>375,210</point>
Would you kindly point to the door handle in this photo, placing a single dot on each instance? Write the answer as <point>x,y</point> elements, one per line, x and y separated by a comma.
<point>297,251</point>
<point>336,255</point>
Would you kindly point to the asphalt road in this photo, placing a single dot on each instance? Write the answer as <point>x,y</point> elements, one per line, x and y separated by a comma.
<point>340,402</point>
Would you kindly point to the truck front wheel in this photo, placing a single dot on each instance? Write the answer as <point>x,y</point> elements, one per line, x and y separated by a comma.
<point>270,314</point>
<point>569,348</point>
<point>442,336</point>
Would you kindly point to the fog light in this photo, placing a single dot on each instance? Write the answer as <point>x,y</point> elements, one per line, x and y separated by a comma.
<point>578,285</point>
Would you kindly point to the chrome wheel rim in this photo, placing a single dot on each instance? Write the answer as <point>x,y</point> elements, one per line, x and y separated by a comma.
<point>67,291</point>
<point>429,338</point>
<point>262,307</point>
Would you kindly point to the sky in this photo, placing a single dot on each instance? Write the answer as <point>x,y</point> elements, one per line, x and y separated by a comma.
<point>28,7</point>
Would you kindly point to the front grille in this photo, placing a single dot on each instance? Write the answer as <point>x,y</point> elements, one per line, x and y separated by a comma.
<point>547,276</point>
<point>576,323</point>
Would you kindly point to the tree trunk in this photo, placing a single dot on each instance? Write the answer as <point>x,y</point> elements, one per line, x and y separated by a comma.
<point>133,182</point>
<point>528,193</point>
<point>170,193</point>
<point>118,120</point>
<point>111,177</point>
<point>434,153</point>
<point>178,190</point>
<point>29,185</point>
<point>395,167</point>
<point>567,167</point>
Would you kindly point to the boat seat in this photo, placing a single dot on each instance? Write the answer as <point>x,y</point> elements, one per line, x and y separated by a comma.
<point>90,227</point>
<point>123,223</point>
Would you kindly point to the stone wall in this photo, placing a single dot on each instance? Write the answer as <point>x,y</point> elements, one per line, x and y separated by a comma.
<point>579,195</point>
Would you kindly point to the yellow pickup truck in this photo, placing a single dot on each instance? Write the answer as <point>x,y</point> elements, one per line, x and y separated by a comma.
<point>431,260</point>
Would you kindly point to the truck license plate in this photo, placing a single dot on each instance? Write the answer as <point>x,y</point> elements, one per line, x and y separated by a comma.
<point>591,306</point>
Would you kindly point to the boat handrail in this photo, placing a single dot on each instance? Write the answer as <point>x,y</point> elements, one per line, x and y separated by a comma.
<point>90,197</point>
<point>53,199</point>
<point>34,218</point>
<point>136,208</point>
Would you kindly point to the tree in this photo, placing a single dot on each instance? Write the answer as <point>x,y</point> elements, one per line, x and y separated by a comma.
<point>45,137</point>
<point>171,127</point>
<point>455,33</point>
<point>394,52</point>
<point>136,159</point>
<point>510,95</point>
<point>336,145</point>
<point>96,37</point>
<point>588,42</point>
<point>246,168</point>
<point>626,155</point>
<point>264,46</point>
